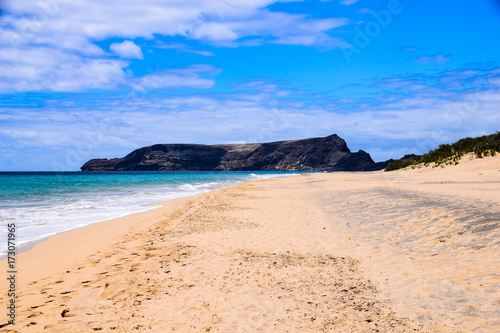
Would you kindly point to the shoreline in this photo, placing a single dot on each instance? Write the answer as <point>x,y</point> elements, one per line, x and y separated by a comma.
<point>116,220</point>
<point>107,232</point>
<point>30,244</point>
<point>26,246</point>
<point>394,251</point>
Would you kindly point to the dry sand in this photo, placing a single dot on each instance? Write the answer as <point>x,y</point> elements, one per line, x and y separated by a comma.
<point>404,251</point>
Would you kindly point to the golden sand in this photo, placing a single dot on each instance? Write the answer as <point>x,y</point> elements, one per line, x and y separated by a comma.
<point>405,251</point>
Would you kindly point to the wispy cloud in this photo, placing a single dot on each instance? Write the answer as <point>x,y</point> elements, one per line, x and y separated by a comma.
<point>426,116</point>
<point>261,86</point>
<point>212,20</point>
<point>50,48</point>
<point>343,2</point>
<point>48,69</point>
<point>68,68</point>
<point>181,47</point>
<point>348,2</point>
<point>191,77</point>
<point>265,26</point>
<point>435,59</point>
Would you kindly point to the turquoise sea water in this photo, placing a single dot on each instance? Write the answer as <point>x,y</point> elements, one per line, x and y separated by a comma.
<point>45,203</point>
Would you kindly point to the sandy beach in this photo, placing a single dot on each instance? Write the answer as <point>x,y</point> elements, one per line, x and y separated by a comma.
<point>405,251</point>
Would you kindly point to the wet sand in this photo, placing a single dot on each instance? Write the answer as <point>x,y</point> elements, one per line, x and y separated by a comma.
<point>404,251</point>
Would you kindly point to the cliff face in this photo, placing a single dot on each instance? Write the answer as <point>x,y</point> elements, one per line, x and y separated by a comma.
<point>317,154</point>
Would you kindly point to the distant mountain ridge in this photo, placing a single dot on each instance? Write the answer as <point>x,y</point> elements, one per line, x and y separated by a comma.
<point>316,154</point>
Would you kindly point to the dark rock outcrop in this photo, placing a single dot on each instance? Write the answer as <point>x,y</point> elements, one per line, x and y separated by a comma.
<point>317,154</point>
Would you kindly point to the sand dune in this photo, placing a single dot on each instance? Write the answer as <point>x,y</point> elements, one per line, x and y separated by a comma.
<point>405,251</point>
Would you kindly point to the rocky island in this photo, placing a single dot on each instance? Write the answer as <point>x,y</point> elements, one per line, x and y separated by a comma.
<point>316,154</point>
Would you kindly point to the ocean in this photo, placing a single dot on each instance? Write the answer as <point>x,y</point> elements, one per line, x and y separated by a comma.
<point>41,204</point>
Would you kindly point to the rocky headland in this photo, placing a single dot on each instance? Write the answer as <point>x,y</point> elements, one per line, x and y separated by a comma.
<point>316,154</point>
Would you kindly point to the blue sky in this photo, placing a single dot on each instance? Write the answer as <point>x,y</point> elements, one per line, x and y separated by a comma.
<point>84,79</point>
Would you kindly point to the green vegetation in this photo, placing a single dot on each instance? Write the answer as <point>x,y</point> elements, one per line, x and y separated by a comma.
<point>451,154</point>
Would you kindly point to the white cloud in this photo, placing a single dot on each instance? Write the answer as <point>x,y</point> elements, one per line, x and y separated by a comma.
<point>343,2</point>
<point>412,124</point>
<point>410,49</point>
<point>181,47</point>
<point>191,77</point>
<point>348,2</point>
<point>495,81</point>
<point>272,27</point>
<point>43,68</point>
<point>215,32</point>
<point>402,84</point>
<point>212,20</point>
<point>436,59</point>
<point>31,138</point>
<point>66,34</point>
<point>127,50</point>
<point>48,69</point>
<point>258,86</point>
